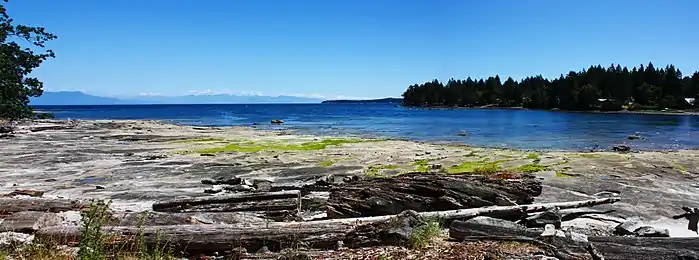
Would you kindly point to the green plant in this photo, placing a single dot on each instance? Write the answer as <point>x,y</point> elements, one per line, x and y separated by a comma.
<point>423,234</point>
<point>93,242</point>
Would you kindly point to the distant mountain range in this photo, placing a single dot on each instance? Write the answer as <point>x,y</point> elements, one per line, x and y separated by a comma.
<point>79,98</point>
<point>368,101</point>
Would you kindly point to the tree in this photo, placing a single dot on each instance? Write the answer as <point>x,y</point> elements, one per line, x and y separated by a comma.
<point>17,62</point>
<point>645,87</point>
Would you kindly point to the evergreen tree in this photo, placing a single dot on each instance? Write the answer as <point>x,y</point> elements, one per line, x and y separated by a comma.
<point>644,86</point>
<point>18,59</point>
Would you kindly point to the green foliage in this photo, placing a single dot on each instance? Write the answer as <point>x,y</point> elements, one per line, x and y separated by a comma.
<point>595,88</point>
<point>93,242</point>
<point>423,234</point>
<point>18,60</point>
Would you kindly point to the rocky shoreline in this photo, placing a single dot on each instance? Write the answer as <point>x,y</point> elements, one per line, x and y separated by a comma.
<point>138,164</point>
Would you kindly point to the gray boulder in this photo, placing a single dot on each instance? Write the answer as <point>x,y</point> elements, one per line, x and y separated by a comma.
<point>648,231</point>
<point>628,227</point>
<point>551,216</point>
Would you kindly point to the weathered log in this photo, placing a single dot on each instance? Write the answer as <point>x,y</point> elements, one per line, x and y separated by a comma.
<point>639,248</point>
<point>212,238</point>
<point>276,235</point>
<point>485,226</point>
<point>11,205</point>
<point>170,218</point>
<point>691,214</point>
<point>29,221</point>
<point>316,234</point>
<point>262,205</point>
<point>245,200</point>
<point>430,192</point>
<point>646,248</point>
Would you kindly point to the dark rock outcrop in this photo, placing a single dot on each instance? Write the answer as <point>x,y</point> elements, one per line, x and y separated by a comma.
<point>430,192</point>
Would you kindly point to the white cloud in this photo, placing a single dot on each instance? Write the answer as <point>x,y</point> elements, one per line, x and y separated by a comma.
<point>150,94</point>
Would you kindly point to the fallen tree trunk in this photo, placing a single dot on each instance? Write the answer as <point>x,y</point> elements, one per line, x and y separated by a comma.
<point>639,248</point>
<point>316,234</point>
<point>11,205</point>
<point>234,202</point>
<point>212,238</point>
<point>430,192</point>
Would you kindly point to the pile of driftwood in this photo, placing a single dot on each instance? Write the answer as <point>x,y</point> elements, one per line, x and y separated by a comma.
<point>352,213</point>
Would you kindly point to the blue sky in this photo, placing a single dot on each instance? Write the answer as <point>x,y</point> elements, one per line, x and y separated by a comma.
<point>343,48</point>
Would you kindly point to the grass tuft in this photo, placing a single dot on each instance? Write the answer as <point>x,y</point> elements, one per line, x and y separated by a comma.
<point>423,234</point>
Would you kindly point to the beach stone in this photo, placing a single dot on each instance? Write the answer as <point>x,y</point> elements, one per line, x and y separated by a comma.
<point>634,137</point>
<point>5,129</point>
<point>648,231</point>
<point>262,185</point>
<point>238,188</point>
<point>551,231</point>
<point>263,250</point>
<point>621,148</point>
<point>551,216</point>
<point>212,191</point>
<point>575,236</point>
<point>628,227</point>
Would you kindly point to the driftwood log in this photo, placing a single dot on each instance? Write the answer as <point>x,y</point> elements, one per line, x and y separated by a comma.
<point>256,201</point>
<point>29,221</point>
<point>638,248</point>
<point>430,192</point>
<point>312,234</point>
<point>11,205</point>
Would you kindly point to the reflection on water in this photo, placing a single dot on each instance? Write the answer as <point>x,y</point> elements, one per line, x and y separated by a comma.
<point>523,129</point>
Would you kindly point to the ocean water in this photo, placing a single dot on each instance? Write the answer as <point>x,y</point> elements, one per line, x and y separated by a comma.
<point>520,129</point>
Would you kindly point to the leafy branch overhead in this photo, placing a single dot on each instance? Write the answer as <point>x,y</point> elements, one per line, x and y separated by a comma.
<point>22,50</point>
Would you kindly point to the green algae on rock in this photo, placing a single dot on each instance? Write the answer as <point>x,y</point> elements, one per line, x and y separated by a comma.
<point>532,168</point>
<point>375,170</point>
<point>482,167</point>
<point>251,147</point>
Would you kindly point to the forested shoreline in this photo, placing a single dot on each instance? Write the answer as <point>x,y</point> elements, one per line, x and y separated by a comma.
<point>596,88</point>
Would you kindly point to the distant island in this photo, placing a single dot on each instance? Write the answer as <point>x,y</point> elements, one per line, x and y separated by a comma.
<point>369,101</point>
<point>597,88</point>
<point>73,98</point>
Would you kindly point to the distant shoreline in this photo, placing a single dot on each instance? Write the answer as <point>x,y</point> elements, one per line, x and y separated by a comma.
<point>638,112</point>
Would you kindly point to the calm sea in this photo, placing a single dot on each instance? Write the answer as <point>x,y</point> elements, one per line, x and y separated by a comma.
<point>521,129</point>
